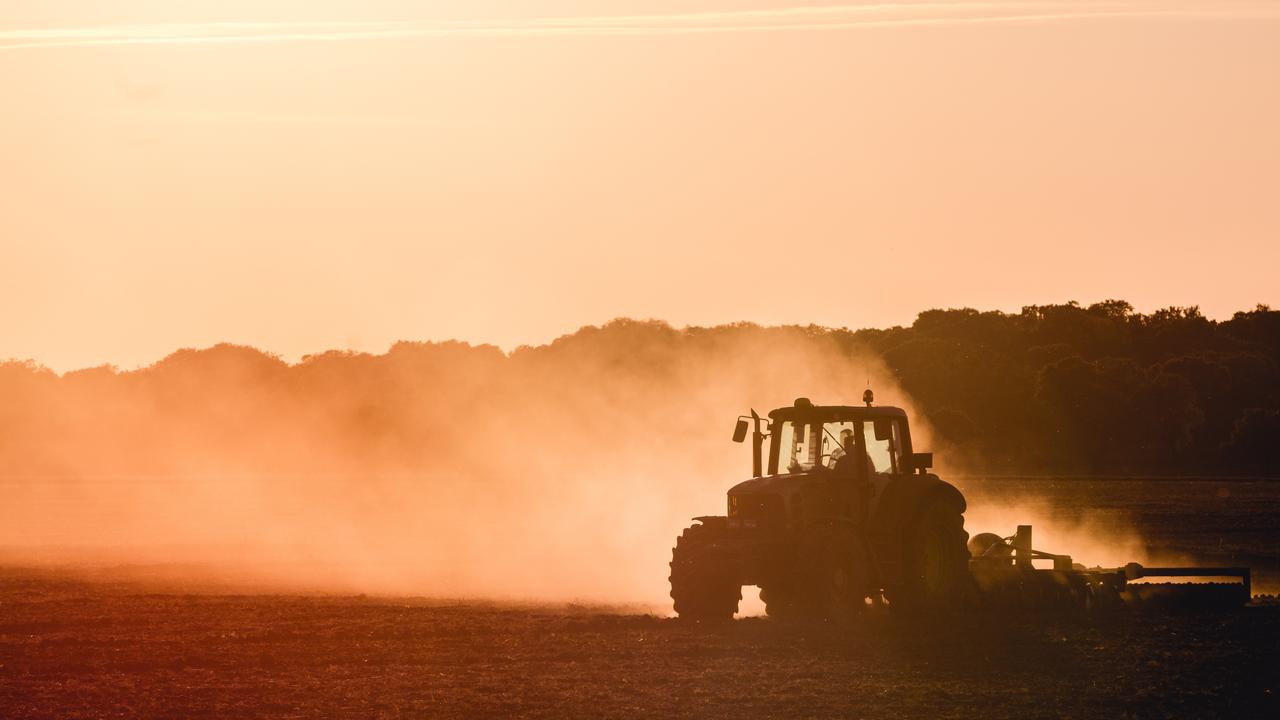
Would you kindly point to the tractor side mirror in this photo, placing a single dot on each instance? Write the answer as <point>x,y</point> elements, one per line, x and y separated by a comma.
<point>740,431</point>
<point>921,461</point>
<point>884,429</point>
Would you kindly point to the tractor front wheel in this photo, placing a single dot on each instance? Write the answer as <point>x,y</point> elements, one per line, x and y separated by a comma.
<point>703,586</point>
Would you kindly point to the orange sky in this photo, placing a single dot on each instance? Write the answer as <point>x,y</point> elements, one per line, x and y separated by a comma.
<point>343,174</point>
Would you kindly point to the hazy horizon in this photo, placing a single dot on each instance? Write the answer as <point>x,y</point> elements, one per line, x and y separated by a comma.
<point>298,357</point>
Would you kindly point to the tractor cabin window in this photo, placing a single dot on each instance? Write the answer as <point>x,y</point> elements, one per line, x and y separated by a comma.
<point>794,448</point>
<point>884,444</point>
<point>805,446</point>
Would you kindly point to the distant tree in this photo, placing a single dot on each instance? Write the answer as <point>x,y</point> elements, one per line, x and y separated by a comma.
<point>1259,328</point>
<point>1076,399</point>
<point>1254,446</point>
<point>1092,334</point>
<point>1165,419</point>
<point>1112,309</point>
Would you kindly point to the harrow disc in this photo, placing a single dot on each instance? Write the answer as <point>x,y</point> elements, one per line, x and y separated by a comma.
<point>1004,573</point>
<point>1185,595</point>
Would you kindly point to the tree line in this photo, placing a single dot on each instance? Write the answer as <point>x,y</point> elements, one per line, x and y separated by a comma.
<point>1097,389</point>
<point>1068,389</point>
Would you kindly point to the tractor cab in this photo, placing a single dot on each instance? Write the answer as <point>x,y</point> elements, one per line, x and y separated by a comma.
<point>821,461</point>
<point>860,441</point>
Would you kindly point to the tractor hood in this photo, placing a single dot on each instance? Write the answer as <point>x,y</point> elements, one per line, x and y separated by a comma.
<point>774,484</point>
<point>774,501</point>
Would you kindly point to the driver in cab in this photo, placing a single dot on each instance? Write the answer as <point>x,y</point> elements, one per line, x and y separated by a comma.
<point>844,459</point>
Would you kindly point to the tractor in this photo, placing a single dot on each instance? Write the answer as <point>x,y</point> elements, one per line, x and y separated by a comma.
<point>840,513</point>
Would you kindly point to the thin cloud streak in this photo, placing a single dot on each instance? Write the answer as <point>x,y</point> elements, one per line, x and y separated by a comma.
<point>593,20</point>
<point>844,17</point>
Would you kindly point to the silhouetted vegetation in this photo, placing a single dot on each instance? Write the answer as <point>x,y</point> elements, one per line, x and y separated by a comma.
<point>1096,389</point>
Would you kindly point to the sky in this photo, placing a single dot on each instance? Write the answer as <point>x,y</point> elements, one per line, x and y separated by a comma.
<point>302,176</point>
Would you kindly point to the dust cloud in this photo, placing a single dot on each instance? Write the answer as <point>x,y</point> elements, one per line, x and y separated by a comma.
<point>557,472</point>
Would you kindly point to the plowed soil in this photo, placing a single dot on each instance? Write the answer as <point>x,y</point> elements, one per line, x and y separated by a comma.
<point>110,645</point>
<point>71,649</point>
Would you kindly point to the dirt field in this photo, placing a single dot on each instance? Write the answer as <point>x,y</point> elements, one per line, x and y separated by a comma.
<point>84,650</point>
<point>87,650</point>
<point>104,647</point>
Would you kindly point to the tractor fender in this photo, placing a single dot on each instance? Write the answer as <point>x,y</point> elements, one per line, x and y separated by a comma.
<point>894,517</point>
<point>903,499</point>
<point>717,522</point>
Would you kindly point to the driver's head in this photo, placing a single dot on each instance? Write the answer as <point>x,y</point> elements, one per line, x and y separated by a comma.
<point>846,439</point>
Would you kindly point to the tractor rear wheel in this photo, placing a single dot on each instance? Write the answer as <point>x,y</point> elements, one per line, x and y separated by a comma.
<point>702,583</point>
<point>935,562</point>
